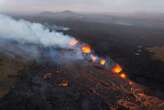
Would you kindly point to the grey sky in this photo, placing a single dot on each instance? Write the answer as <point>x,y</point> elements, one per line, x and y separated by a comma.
<point>83,5</point>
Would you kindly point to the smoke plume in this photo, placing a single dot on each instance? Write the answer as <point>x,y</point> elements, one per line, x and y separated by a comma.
<point>27,32</point>
<point>34,34</point>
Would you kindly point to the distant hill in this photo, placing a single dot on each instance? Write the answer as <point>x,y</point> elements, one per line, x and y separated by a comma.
<point>150,20</point>
<point>63,14</point>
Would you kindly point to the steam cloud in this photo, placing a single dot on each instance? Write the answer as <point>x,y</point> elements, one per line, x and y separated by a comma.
<point>25,32</point>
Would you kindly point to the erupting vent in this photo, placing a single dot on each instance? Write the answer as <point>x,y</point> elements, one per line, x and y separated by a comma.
<point>89,54</point>
<point>117,69</point>
<point>102,61</point>
<point>123,75</point>
<point>86,49</point>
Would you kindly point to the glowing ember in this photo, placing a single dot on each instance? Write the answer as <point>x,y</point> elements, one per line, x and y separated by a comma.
<point>102,61</point>
<point>86,49</point>
<point>64,83</point>
<point>94,58</point>
<point>117,69</point>
<point>123,75</point>
<point>73,42</point>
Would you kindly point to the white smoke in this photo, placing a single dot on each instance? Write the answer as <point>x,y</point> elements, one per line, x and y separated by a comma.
<point>30,37</point>
<point>27,32</point>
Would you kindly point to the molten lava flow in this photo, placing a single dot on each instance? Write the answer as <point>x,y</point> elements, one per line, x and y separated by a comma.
<point>123,75</point>
<point>102,61</point>
<point>86,49</point>
<point>94,58</point>
<point>73,42</point>
<point>117,69</point>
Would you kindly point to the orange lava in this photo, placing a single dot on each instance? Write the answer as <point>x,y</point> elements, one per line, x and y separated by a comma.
<point>102,61</point>
<point>117,69</point>
<point>86,49</point>
<point>123,75</point>
<point>73,42</point>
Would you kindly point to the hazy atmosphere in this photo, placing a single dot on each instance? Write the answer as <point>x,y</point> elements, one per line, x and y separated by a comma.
<point>82,5</point>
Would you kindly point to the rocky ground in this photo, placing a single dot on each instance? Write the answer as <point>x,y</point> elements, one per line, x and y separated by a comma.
<point>127,45</point>
<point>74,86</point>
<point>10,71</point>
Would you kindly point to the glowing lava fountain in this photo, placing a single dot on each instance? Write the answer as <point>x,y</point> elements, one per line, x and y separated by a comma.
<point>89,54</point>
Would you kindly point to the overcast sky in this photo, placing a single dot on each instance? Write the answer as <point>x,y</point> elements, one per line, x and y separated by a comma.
<point>82,5</point>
